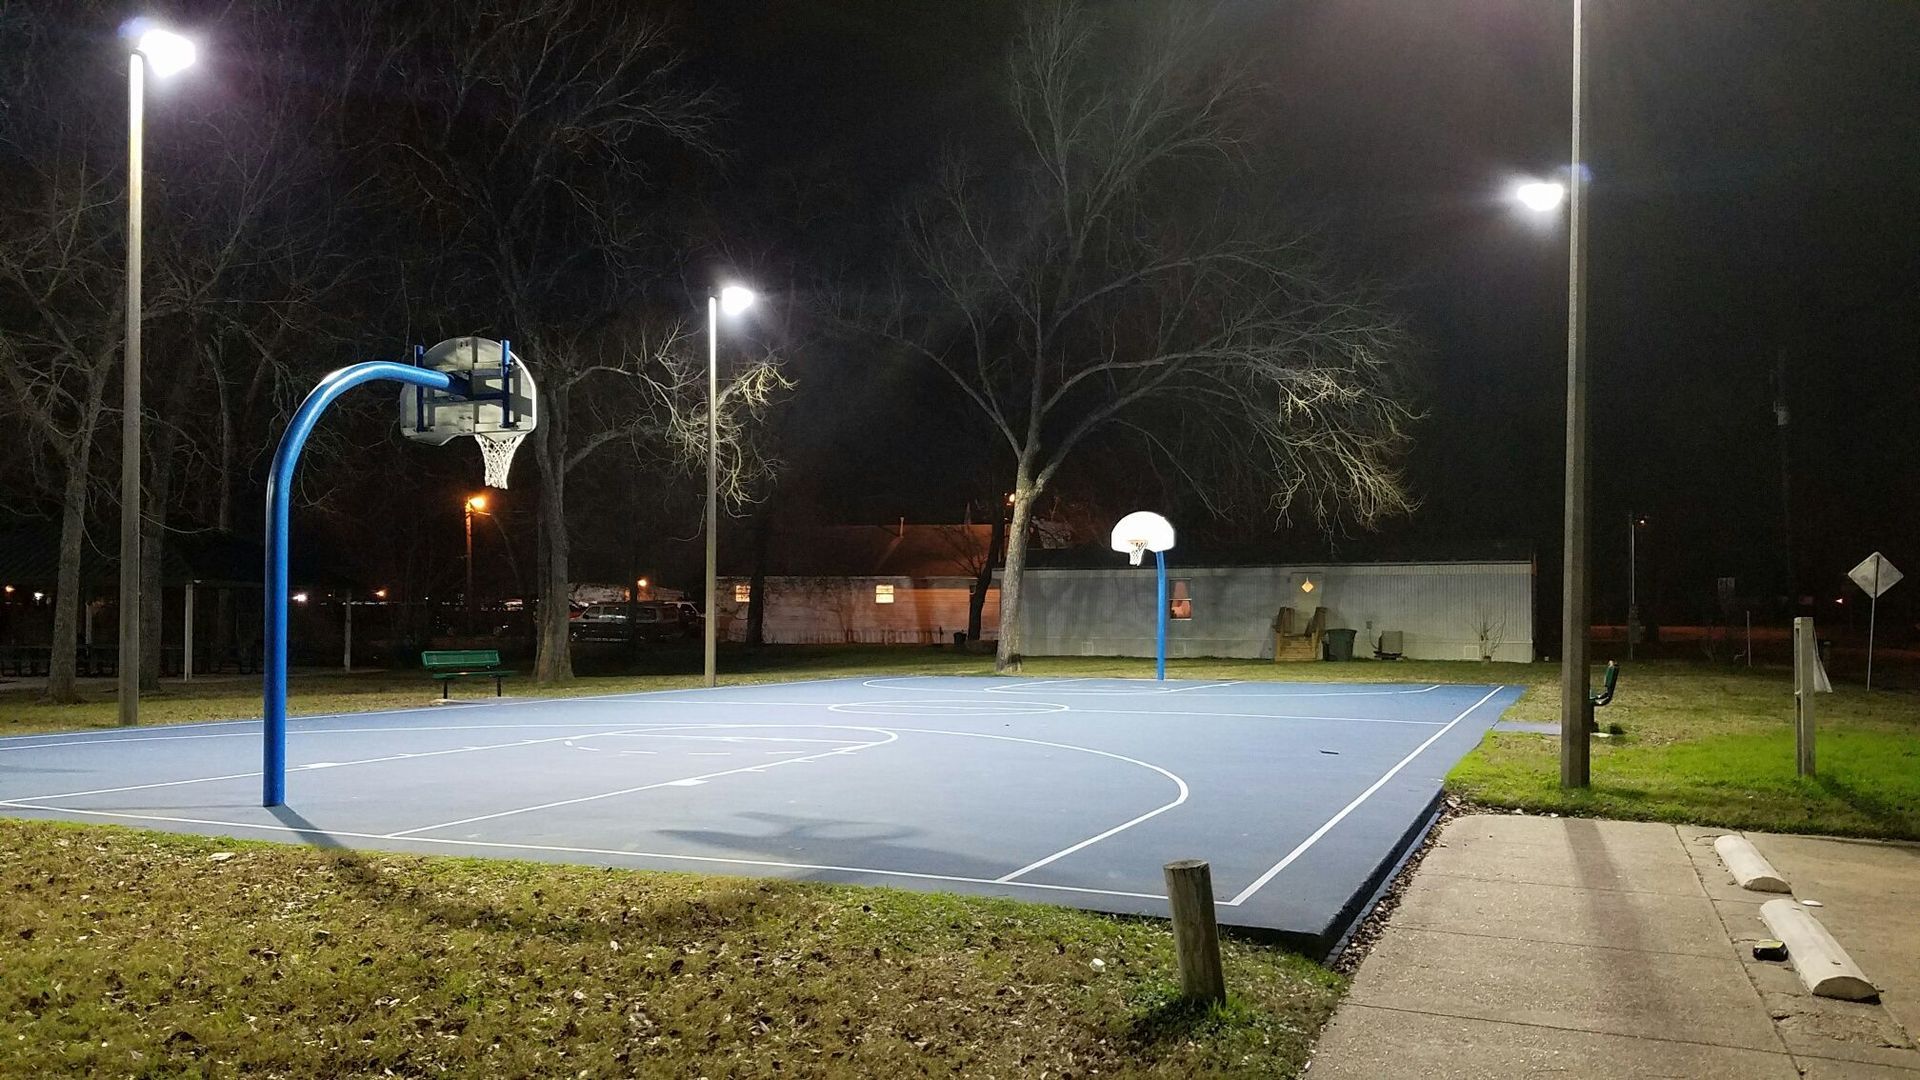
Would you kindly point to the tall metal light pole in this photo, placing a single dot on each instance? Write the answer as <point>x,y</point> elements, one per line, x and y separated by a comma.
<point>1575,743</point>
<point>1634,521</point>
<point>733,299</point>
<point>165,53</point>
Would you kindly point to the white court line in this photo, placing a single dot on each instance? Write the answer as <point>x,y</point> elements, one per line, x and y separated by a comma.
<point>889,682</point>
<point>615,852</point>
<point>331,765</point>
<point>1201,686</point>
<point>1300,850</point>
<point>682,782</point>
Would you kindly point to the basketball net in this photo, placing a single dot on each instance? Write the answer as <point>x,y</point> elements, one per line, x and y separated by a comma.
<point>1135,549</point>
<point>496,452</point>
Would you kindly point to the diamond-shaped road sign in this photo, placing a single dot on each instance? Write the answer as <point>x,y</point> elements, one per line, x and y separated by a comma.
<point>1875,575</point>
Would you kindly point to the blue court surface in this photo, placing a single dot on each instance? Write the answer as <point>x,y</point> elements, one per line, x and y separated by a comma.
<point>1066,791</point>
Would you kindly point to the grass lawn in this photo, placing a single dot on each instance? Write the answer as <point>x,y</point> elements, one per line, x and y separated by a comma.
<point>141,954</point>
<point>1714,746</point>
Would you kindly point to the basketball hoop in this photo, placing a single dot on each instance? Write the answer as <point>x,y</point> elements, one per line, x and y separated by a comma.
<point>496,454</point>
<point>1140,532</point>
<point>499,410</point>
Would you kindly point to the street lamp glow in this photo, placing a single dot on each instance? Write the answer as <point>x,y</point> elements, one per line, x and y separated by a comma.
<point>167,53</point>
<point>478,502</point>
<point>735,299</point>
<point>1540,196</point>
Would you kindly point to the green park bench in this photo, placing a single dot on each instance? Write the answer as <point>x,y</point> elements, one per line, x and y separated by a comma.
<point>1601,698</point>
<point>446,665</point>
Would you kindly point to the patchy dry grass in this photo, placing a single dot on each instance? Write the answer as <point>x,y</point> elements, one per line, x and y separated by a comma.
<point>1714,746</point>
<point>139,954</point>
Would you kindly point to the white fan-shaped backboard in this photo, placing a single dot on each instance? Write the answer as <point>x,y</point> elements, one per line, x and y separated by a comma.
<point>1143,530</point>
<point>436,418</point>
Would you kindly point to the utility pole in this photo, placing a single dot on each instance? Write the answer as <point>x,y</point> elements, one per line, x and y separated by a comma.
<point>1782,416</point>
<point>1575,744</point>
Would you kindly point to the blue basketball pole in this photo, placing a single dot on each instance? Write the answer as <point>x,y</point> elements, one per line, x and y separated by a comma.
<point>1160,655</point>
<point>273,767</point>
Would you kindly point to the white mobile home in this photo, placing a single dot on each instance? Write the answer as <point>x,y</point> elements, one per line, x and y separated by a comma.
<point>1440,610</point>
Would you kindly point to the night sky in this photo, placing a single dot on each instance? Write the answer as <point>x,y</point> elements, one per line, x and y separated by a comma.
<point>1756,172</point>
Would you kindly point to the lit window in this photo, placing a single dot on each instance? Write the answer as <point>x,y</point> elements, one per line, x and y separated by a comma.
<point>1179,600</point>
<point>742,594</point>
<point>883,594</point>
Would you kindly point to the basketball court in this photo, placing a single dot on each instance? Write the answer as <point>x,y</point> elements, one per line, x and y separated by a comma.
<point>1065,791</point>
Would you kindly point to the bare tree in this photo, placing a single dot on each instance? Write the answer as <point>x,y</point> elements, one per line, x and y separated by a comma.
<point>536,132</point>
<point>1105,284</point>
<point>1489,629</point>
<point>62,268</point>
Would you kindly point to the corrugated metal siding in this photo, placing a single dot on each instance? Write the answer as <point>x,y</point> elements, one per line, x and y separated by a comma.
<point>1436,606</point>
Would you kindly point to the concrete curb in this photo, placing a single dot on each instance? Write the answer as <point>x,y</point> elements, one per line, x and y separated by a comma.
<point>1821,963</point>
<point>1750,869</point>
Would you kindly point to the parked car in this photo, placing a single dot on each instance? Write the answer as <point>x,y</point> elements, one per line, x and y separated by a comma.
<point>687,615</point>
<point>622,622</point>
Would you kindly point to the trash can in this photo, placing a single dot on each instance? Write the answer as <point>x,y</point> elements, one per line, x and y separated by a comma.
<point>1339,644</point>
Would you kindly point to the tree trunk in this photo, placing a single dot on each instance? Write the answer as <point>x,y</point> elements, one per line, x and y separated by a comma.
<point>153,527</point>
<point>153,634</point>
<point>1007,659</point>
<point>553,658</point>
<point>757,583</point>
<point>67,601</point>
<point>977,603</point>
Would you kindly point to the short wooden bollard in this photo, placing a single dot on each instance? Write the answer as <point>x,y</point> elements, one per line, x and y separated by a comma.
<point>1196,936</point>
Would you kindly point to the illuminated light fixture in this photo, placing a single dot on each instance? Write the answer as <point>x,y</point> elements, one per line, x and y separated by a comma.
<point>39,596</point>
<point>299,598</point>
<point>1540,196</point>
<point>478,502</point>
<point>1307,585</point>
<point>9,589</point>
<point>735,299</point>
<point>379,594</point>
<point>642,583</point>
<point>167,53</point>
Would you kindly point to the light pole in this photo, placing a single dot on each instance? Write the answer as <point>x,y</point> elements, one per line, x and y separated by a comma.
<point>166,53</point>
<point>1545,197</point>
<point>1576,746</point>
<point>733,300</point>
<point>1634,522</point>
<point>475,505</point>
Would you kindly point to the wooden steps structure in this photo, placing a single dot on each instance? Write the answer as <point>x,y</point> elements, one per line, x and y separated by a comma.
<point>1297,646</point>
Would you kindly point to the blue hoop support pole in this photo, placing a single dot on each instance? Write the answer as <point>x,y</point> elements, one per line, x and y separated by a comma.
<point>273,766</point>
<point>1160,653</point>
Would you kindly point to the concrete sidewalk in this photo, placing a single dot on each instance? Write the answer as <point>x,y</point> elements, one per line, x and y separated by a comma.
<point>1567,947</point>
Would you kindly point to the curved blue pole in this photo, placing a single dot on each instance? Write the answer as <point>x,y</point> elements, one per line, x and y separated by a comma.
<point>273,768</point>
<point>1160,656</point>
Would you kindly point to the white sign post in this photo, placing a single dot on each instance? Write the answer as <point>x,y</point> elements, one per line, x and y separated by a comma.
<point>1874,575</point>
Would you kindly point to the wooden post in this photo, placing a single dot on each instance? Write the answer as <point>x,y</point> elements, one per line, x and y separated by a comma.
<point>1806,658</point>
<point>186,654</point>
<point>1196,937</point>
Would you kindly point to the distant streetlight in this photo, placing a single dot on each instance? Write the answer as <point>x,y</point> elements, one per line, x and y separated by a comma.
<point>475,505</point>
<point>166,54</point>
<point>733,299</point>
<point>1540,196</point>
